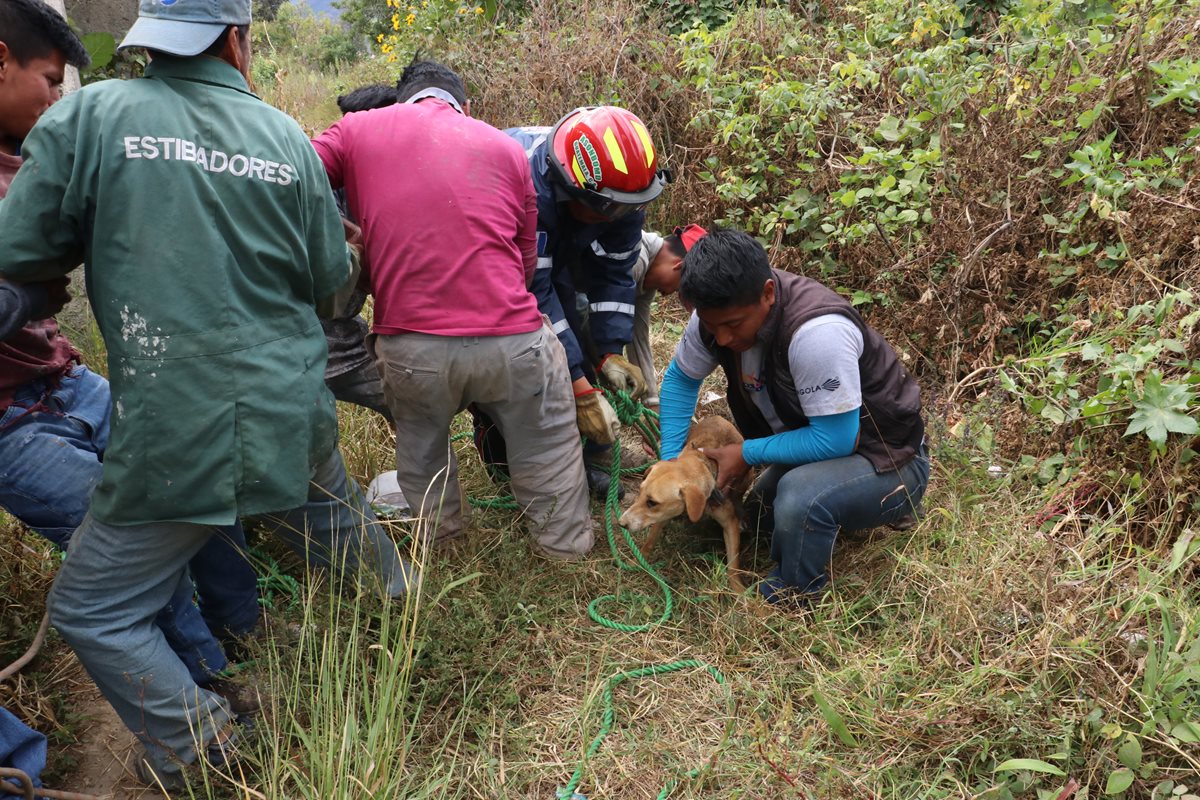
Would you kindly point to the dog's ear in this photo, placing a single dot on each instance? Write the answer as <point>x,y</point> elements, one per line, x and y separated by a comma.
<point>694,499</point>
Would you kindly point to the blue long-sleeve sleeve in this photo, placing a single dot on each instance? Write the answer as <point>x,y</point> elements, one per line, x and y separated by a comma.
<point>19,303</point>
<point>827,436</point>
<point>677,403</point>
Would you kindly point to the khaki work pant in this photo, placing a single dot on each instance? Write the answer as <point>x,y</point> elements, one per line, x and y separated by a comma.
<point>523,383</point>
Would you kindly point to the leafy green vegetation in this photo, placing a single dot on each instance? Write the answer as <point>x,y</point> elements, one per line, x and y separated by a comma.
<point>1008,190</point>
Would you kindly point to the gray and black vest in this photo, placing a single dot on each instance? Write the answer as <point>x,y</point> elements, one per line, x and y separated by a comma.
<point>891,428</point>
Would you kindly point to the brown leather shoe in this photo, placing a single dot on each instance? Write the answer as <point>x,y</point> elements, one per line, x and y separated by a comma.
<point>242,698</point>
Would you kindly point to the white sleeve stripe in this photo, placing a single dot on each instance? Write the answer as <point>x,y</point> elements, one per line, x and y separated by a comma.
<point>560,326</point>
<point>545,262</point>
<point>620,308</point>
<point>600,251</point>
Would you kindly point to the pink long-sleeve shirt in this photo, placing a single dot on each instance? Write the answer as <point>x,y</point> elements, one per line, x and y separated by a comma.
<point>448,214</point>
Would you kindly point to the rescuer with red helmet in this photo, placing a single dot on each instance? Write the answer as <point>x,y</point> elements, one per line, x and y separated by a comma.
<point>595,172</point>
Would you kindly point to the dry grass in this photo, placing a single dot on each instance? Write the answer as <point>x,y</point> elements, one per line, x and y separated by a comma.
<point>986,633</point>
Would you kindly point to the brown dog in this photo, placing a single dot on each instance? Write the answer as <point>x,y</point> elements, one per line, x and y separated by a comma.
<point>689,483</point>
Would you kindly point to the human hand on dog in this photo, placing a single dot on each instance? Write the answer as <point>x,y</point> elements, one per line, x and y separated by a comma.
<point>731,467</point>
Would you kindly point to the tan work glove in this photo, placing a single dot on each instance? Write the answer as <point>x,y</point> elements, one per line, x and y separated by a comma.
<point>595,417</point>
<point>623,376</point>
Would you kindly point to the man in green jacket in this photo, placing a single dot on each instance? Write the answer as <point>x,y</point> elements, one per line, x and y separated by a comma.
<point>209,235</point>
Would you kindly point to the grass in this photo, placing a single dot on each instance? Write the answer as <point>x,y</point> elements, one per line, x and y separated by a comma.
<point>942,653</point>
<point>941,656</point>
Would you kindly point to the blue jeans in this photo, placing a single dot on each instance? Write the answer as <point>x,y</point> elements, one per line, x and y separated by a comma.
<point>107,594</point>
<point>337,528</point>
<point>812,502</point>
<point>50,460</point>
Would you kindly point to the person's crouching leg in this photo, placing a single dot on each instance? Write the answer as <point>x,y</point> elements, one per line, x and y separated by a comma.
<point>104,602</point>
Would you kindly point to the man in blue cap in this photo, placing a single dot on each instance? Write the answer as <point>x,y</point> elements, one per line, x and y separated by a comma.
<point>211,237</point>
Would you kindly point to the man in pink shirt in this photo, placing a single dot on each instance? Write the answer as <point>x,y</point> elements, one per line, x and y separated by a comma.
<point>449,220</point>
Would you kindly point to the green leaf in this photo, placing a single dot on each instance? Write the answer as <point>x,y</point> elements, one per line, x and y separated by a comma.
<point>908,215</point>
<point>1031,765</point>
<point>1118,781</point>
<point>1187,731</point>
<point>1130,752</point>
<point>889,129</point>
<point>1160,410</point>
<point>1185,547</point>
<point>101,47</point>
<point>847,198</point>
<point>835,720</point>
<point>1054,414</point>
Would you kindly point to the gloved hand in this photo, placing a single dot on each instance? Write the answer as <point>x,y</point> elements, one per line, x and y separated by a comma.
<point>595,417</point>
<point>623,376</point>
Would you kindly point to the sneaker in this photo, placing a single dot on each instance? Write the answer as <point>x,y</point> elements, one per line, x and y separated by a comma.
<point>598,480</point>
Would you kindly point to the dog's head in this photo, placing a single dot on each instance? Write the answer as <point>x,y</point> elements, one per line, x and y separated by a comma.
<point>669,489</point>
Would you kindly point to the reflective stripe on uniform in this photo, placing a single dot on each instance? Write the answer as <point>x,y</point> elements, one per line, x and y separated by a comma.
<point>545,262</point>
<point>622,308</point>
<point>600,251</point>
<point>559,326</point>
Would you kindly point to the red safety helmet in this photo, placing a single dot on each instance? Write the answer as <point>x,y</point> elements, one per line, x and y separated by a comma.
<point>602,156</point>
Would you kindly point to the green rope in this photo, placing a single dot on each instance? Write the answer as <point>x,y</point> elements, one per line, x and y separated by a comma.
<point>629,412</point>
<point>612,509</point>
<point>610,715</point>
<point>633,414</point>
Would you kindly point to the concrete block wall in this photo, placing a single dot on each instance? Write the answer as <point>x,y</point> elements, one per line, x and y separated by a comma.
<point>109,16</point>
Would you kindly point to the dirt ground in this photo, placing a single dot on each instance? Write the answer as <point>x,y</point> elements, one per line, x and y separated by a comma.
<point>105,752</point>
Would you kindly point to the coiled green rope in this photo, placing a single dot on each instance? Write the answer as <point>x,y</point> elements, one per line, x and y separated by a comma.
<point>631,412</point>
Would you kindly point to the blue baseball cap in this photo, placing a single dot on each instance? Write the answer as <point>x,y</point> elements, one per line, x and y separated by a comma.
<point>184,27</point>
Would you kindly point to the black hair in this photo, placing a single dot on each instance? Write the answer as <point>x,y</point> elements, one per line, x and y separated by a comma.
<point>218,46</point>
<point>674,245</point>
<point>723,269</point>
<point>364,98</point>
<point>32,29</point>
<point>421,74</point>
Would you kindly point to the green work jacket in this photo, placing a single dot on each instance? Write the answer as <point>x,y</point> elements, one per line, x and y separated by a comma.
<point>208,233</point>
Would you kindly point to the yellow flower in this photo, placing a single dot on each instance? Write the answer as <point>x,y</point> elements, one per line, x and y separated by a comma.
<point>478,9</point>
<point>410,19</point>
<point>379,38</point>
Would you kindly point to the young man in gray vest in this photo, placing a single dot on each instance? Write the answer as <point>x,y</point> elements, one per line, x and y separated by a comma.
<point>821,398</point>
<point>210,236</point>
